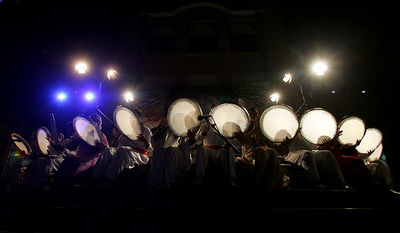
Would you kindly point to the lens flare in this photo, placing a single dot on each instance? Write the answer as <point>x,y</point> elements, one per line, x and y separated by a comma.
<point>61,96</point>
<point>89,96</point>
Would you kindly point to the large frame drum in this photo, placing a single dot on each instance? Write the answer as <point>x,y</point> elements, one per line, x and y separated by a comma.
<point>230,119</point>
<point>370,141</point>
<point>86,130</point>
<point>278,122</point>
<point>317,124</point>
<point>42,136</point>
<point>183,116</point>
<point>353,129</point>
<point>127,122</point>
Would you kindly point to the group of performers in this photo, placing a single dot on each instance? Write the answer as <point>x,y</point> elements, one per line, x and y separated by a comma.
<point>168,158</point>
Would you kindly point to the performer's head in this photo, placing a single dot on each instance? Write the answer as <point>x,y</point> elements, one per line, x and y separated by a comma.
<point>96,119</point>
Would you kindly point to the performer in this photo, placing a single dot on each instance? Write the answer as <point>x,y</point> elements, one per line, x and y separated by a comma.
<point>172,156</point>
<point>259,164</point>
<point>380,170</point>
<point>77,168</point>
<point>320,165</point>
<point>214,151</point>
<point>130,154</point>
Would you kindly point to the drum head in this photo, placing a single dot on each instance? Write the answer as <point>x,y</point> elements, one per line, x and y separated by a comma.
<point>353,129</point>
<point>278,122</point>
<point>21,143</point>
<point>182,116</point>
<point>42,134</point>
<point>86,130</point>
<point>127,122</point>
<point>370,141</point>
<point>376,155</point>
<point>230,119</point>
<point>318,124</point>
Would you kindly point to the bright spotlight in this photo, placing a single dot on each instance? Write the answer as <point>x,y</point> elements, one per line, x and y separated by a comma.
<point>89,96</point>
<point>274,97</point>
<point>81,67</point>
<point>319,68</point>
<point>128,96</point>
<point>288,78</point>
<point>61,96</point>
<point>111,74</point>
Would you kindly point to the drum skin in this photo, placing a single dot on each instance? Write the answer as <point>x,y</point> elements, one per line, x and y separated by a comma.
<point>42,134</point>
<point>127,122</point>
<point>183,115</point>
<point>353,129</point>
<point>86,130</point>
<point>317,125</point>
<point>278,122</point>
<point>21,143</point>
<point>230,119</point>
<point>370,141</point>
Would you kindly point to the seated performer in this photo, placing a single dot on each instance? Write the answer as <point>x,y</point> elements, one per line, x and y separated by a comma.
<point>77,167</point>
<point>258,165</point>
<point>43,166</point>
<point>354,168</point>
<point>214,151</point>
<point>380,171</point>
<point>171,157</point>
<point>129,154</point>
<point>320,165</point>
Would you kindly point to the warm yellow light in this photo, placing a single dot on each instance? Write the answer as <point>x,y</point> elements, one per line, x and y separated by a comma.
<point>287,78</point>
<point>274,97</point>
<point>111,74</point>
<point>81,67</point>
<point>319,68</point>
<point>129,96</point>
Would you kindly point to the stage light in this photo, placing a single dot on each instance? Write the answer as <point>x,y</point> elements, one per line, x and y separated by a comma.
<point>129,96</point>
<point>333,92</point>
<point>274,97</point>
<point>288,78</point>
<point>61,96</point>
<point>111,74</point>
<point>89,96</point>
<point>363,91</point>
<point>81,67</point>
<point>319,68</point>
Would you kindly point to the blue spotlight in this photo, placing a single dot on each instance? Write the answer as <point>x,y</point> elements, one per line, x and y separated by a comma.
<point>61,96</point>
<point>89,96</point>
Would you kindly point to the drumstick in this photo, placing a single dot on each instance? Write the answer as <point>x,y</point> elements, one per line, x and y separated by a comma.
<point>104,115</point>
<point>53,127</point>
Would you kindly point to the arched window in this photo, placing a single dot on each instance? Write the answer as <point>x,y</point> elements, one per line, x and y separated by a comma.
<point>243,37</point>
<point>161,39</point>
<point>202,38</point>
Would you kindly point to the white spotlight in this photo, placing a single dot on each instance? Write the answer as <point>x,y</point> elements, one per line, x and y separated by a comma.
<point>111,74</point>
<point>287,78</point>
<point>81,67</point>
<point>319,68</point>
<point>274,97</point>
<point>129,96</point>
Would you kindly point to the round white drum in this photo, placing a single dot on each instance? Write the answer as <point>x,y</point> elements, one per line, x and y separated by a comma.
<point>318,124</point>
<point>230,119</point>
<point>182,116</point>
<point>353,129</point>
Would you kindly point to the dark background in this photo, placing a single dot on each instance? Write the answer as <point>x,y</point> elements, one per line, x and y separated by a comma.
<point>39,41</point>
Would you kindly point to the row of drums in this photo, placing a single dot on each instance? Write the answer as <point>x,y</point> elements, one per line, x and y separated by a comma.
<point>276,123</point>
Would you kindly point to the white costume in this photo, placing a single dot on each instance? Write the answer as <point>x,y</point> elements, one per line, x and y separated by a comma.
<point>129,155</point>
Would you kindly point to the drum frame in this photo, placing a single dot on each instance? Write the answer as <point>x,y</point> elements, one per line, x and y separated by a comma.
<point>79,117</point>
<point>28,147</point>
<point>116,124</point>
<point>169,111</point>
<point>47,133</point>
<point>274,106</point>
<point>348,116</point>
<point>214,123</point>
<point>312,109</point>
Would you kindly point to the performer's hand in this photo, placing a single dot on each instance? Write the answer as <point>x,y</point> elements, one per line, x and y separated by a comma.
<point>338,133</point>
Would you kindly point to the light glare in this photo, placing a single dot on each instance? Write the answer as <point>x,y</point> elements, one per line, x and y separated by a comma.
<point>129,96</point>
<point>287,78</point>
<point>111,74</point>
<point>61,96</point>
<point>319,68</point>
<point>81,67</point>
<point>89,96</point>
<point>274,97</point>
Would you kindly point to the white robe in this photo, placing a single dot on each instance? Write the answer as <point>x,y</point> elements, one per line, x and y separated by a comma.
<point>114,160</point>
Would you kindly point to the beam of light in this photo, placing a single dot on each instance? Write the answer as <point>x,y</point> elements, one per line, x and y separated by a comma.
<point>111,74</point>
<point>61,96</point>
<point>81,67</point>
<point>128,96</point>
<point>319,68</point>
<point>89,96</point>
<point>287,78</point>
<point>274,97</point>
